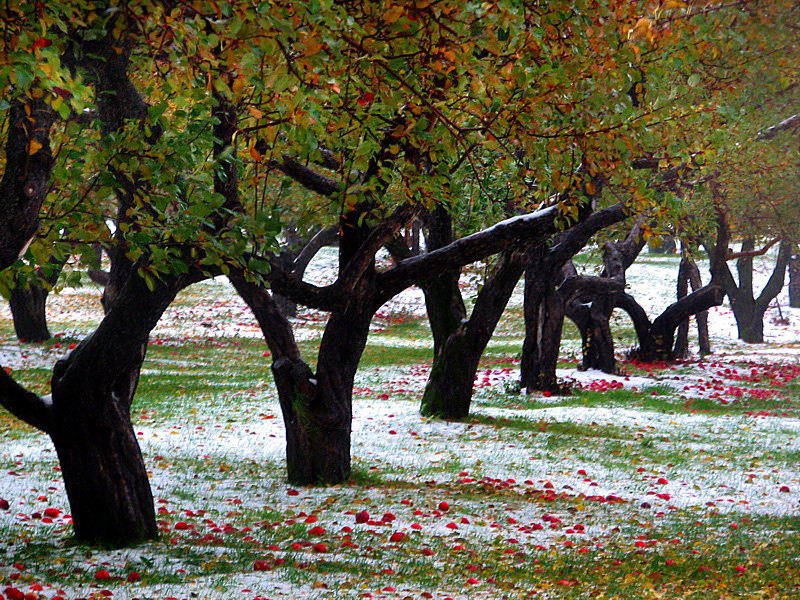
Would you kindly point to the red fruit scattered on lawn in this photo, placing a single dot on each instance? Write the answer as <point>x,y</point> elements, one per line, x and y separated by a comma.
<point>134,576</point>
<point>261,565</point>
<point>51,512</point>
<point>321,548</point>
<point>784,488</point>
<point>397,536</point>
<point>102,575</point>
<point>4,504</point>
<point>472,581</point>
<point>444,506</point>
<point>316,530</point>
<point>181,525</point>
<point>662,481</point>
<point>362,517</point>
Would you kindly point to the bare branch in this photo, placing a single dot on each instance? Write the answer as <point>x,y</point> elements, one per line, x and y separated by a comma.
<point>23,404</point>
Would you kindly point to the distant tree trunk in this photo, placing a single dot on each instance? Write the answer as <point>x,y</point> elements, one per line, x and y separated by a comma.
<point>681,347</point>
<point>28,302</point>
<point>592,313</point>
<point>448,393</point>
<point>748,310</point>
<point>28,311</point>
<point>443,300</point>
<point>551,283</point>
<point>597,341</point>
<point>794,278</point>
<point>688,273</point>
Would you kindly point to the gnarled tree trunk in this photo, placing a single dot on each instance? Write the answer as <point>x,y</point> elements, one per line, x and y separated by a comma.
<point>448,392</point>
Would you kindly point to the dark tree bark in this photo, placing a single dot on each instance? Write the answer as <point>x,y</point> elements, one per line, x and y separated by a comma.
<point>448,393</point>
<point>689,274</point>
<point>747,309</point>
<point>591,314</point>
<point>28,312</point>
<point>28,301</point>
<point>657,339</point>
<point>26,180</point>
<point>92,391</point>
<point>317,407</point>
<point>88,414</point>
<point>794,278</point>
<point>551,283</point>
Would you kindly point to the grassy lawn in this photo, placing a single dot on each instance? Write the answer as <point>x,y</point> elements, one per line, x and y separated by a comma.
<point>668,481</point>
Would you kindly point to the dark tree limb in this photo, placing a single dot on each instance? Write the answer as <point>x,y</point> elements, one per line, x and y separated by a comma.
<point>23,404</point>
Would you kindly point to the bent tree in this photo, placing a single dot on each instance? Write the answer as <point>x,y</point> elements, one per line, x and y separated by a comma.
<point>231,96</point>
<point>87,414</point>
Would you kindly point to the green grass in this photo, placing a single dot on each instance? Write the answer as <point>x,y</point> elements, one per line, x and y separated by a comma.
<point>638,546</point>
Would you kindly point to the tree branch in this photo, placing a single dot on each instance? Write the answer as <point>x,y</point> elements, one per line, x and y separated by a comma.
<point>468,249</point>
<point>730,255</point>
<point>23,404</point>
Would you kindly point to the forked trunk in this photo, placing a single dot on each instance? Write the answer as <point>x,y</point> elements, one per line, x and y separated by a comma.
<point>597,341</point>
<point>448,393</point>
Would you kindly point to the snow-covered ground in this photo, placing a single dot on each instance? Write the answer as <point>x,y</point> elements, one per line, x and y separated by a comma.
<point>391,439</point>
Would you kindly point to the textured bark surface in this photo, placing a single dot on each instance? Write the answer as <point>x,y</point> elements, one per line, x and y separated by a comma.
<point>26,179</point>
<point>448,392</point>
<point>551,284</point>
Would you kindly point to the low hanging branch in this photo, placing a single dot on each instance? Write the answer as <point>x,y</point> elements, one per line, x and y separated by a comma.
<point>730,255</point>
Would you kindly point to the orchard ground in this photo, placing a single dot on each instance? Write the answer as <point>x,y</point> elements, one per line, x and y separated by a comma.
<point>666,481</point>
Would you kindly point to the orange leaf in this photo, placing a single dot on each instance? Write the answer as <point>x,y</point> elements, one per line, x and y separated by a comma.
<point>34,146</point>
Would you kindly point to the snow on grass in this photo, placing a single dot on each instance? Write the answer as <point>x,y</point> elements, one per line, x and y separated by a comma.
<point>698,455</point>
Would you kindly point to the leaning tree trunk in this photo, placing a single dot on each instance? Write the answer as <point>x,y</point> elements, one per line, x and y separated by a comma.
<point>92,390</point>
<point>448,393</point>
<point>104,472</point>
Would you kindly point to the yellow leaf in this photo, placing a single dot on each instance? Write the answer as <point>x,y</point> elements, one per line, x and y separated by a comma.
<point>642,29</point>
<point>257,114</point>
<point>313,46</point>
<point>590,188</point>
<point>238,88</point>
<point>391,15</point>
<point>34,146</point>
<point>255,154</point>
